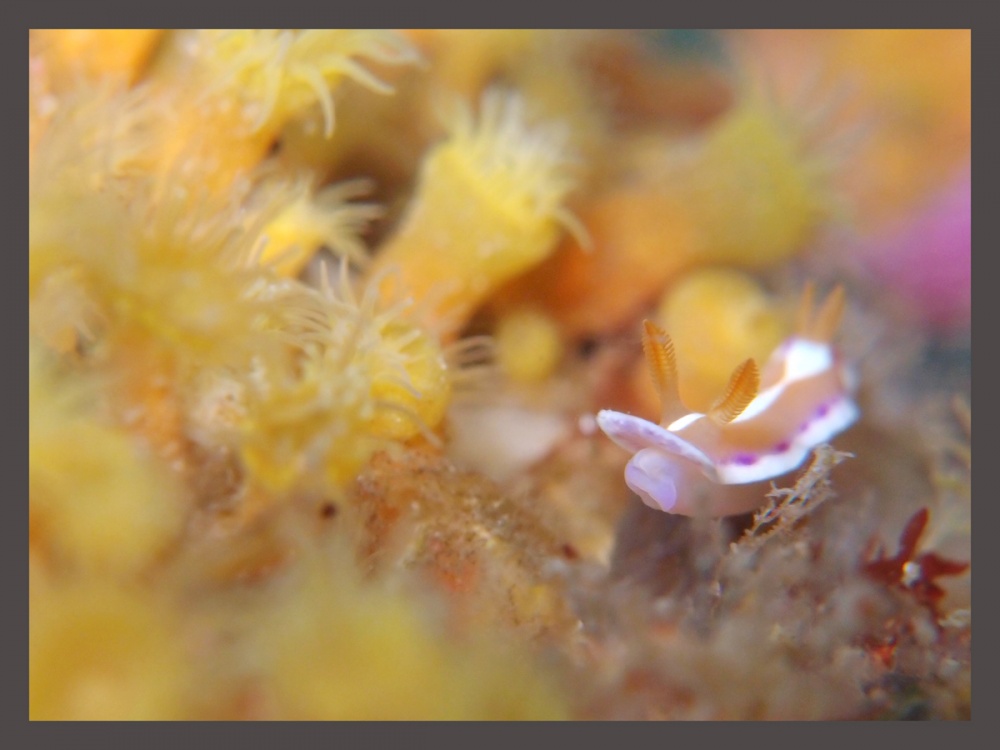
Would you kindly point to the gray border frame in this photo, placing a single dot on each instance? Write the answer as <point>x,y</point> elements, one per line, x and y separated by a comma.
<point>20,15</point>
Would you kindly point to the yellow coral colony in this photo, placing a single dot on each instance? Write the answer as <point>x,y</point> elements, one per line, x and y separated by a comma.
<point>266,266</point>
<point>248,84</point>
<point>64,60</point>
<point>488,206</point>
<point>354,376</point>
<point>163,289</point>
<point>226,97</point>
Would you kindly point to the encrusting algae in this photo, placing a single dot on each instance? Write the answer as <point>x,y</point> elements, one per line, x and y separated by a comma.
<point>327,327</point>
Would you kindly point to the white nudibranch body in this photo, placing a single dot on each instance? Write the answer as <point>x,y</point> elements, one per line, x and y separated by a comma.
<point>764,425</point>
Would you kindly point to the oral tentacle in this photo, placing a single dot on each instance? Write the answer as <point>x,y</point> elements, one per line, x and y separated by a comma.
<point>651,475</point>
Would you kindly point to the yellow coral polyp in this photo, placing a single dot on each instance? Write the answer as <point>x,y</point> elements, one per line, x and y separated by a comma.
<point>409,376</point>
<point>337,650</point>
<point>466,59</point>
<point>717,318</point>
<point>226,95</point>
<point>311,425</point>
<point>101,502</point>
<point>310,222</point>
<point>753,189</point>
<point>356,377</point>
<point>98,501</point>
<point>278,73</point>
<point>159,255</point>
<point>554,74</point>
<point>412,393</point>
<point>528,345</point>
<point>185,305</point>
<point>489,205</point>
<point>186,297</point>
<point>92,53</point>
<point>99,653</point>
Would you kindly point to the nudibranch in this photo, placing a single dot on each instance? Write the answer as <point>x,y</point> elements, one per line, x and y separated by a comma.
<point>764,425</point>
